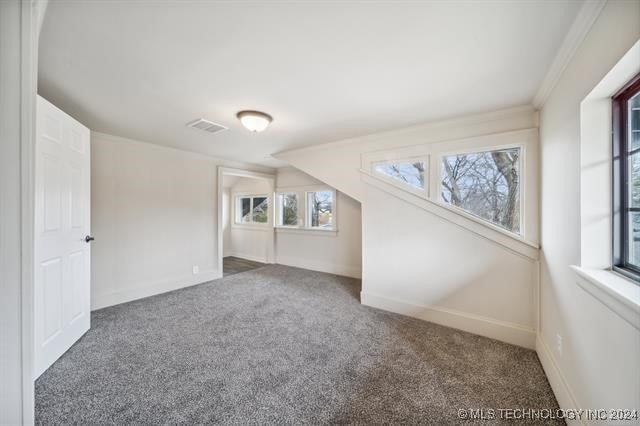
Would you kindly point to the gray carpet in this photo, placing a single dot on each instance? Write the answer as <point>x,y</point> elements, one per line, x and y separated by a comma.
<point>279,345</point>
<point>234,265</point>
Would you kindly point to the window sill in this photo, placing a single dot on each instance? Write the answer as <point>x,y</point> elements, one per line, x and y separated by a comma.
<point>263,228</point>
<point>308,231</point>
<point>617,293</point>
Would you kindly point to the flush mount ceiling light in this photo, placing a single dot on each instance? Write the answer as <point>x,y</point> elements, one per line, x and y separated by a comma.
<point>254,121</point>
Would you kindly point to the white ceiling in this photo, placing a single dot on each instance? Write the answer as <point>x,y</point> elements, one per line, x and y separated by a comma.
<point>324,70</point>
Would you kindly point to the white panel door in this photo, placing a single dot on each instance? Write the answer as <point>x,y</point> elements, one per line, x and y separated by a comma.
<point>62,214</point>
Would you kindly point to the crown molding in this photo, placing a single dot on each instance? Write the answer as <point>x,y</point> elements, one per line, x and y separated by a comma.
<point>589,12</point>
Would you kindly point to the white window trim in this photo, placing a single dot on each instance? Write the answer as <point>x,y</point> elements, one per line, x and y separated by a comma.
<point>594,275</point>
<point>617,293</point>
<point>395,182</point>
<point>525,243</point>
<point>306,231</point>
<point>303,217</point>
<point>251,224</point>
<point>521,193</point>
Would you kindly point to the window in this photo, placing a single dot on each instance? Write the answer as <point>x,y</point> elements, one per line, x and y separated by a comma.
<point>287,209</point>
<point>320,209</point>
<point>626,180</point>
<point>243,208</point>
<point>485,184</point>
<point>306,209</point>
<point>252,209</point>
<point>410,172</point>
<point>260,209</point>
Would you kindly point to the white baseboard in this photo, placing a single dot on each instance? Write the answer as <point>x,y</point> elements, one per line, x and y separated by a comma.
<point>330,268</point>
<point>99,301</point>
<point>260,259</point>
<point>561,389</point>
<point>504,331</point>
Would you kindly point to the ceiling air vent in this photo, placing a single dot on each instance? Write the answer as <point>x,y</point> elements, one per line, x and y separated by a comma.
<point>206,125</point>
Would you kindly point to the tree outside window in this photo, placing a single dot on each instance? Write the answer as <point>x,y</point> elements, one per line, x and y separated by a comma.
<point>485,184</point>
<point>288,203</point>
<point>320,207</point>
<point>411,173</point>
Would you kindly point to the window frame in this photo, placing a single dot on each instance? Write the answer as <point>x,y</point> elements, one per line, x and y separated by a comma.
<point>424,192</point>
<point>521,192</point>
<point>251,222</point>
<point>620,181</point>
<point>527,137</point>
<point>303,209</point>
<point>307,210</point>
<point>278,210</point>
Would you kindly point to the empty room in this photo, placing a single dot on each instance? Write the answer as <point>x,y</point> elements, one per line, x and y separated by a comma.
<point>319,212</point>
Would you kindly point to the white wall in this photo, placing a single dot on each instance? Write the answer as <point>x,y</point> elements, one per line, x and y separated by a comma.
<point>598,366</point>
<point>333,252</point>
<point>227,250</point>
<point>250,241</point>
<point>154,216</point>
<point>420,264</point>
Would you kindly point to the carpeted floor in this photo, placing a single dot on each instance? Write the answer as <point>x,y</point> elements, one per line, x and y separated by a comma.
<point>234,265</point>
<point>279,345</point>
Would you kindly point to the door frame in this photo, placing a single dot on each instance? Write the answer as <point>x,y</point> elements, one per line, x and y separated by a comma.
<point>229,171</point>
<point>21,23</point>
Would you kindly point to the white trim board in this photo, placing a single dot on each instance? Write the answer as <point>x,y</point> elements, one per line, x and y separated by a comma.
<point>516,334</point>
<point>618,294</point>
<point>589,12</point>
<point>103,300</point>
<point>329,268</point>
<point>32,16</point>
<point>559,384</point>
<point>250,257</point>
<point>19,28</point>
<point>230,171</point>
<point>306,231</point>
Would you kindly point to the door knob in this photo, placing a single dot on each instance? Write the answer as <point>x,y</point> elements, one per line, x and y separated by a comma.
<point>88,239</point>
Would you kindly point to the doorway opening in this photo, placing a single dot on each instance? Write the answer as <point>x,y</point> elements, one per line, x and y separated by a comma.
<point>245,220</point>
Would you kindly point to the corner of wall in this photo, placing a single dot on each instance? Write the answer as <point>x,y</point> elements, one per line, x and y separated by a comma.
<point>142,290</point>
<point>504,331</point>
<point>565,396</point>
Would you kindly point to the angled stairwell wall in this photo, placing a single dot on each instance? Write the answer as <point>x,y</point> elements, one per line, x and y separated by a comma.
<point>423,260</point>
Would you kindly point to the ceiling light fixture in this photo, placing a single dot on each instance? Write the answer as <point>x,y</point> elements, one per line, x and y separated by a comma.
<point>254,121</point>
